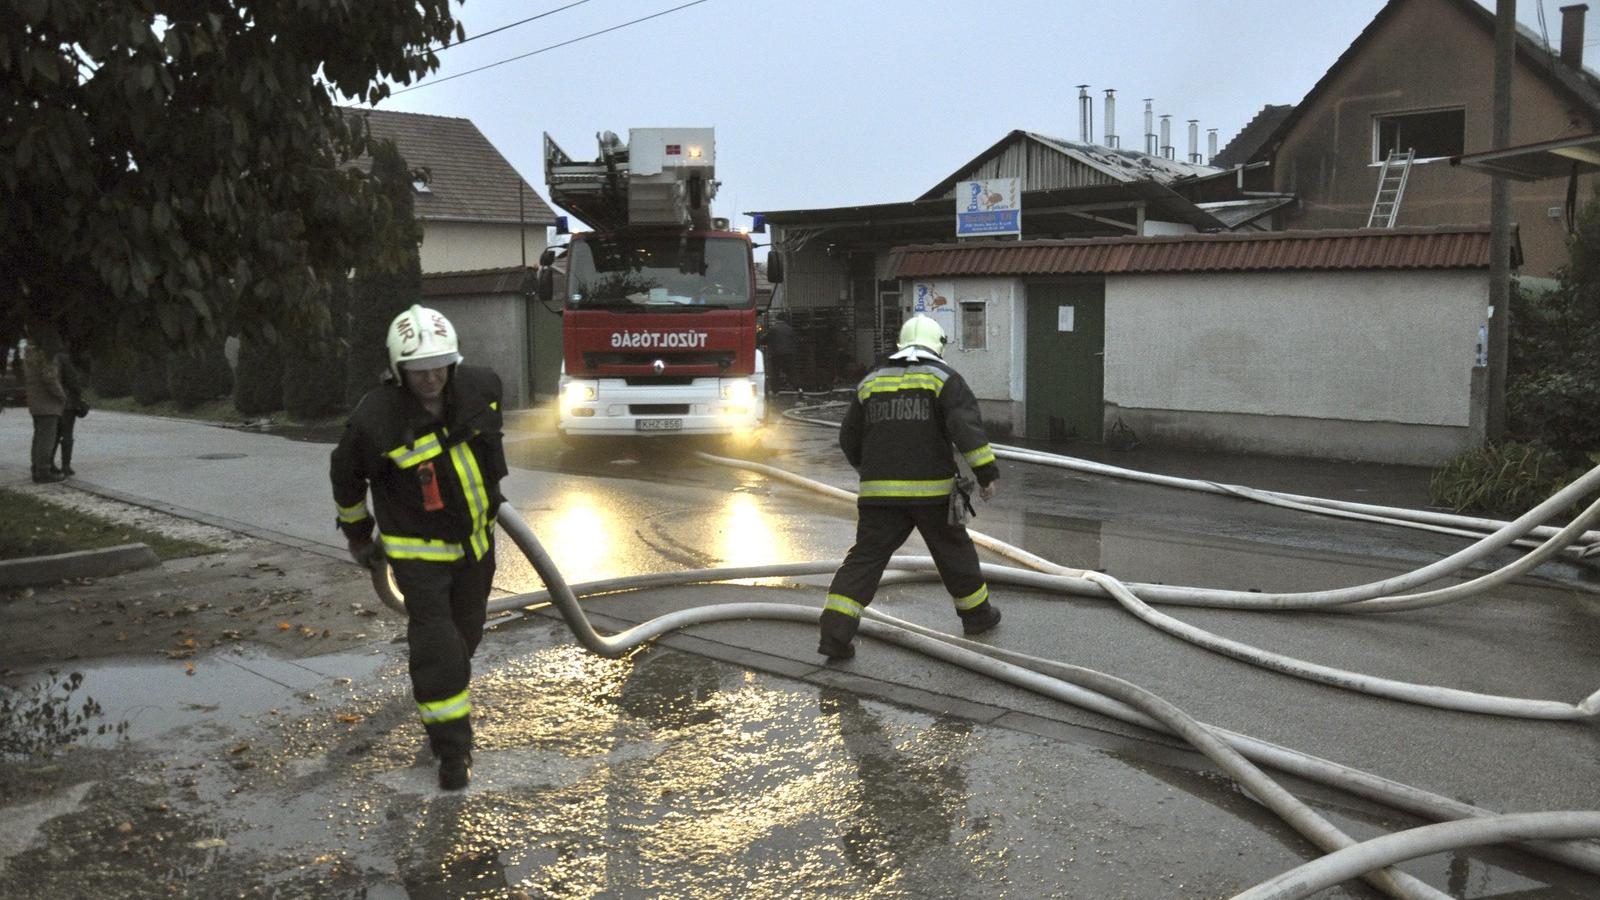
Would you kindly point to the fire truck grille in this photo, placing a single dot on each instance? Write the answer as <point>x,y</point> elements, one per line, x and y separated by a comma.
<point>599,360</point>
<point>658,409</point>
<point>658,382</point>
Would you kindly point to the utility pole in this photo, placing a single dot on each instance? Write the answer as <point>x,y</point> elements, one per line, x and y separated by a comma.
<point>1505,28</point>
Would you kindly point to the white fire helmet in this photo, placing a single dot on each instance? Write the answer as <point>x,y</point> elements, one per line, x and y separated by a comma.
<point>421,338</point>
<point>924,332</point>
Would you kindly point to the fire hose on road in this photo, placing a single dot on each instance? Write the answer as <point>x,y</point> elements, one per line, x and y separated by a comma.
<point>1110,696</point>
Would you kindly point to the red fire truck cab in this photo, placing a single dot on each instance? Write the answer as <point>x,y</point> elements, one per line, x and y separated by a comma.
<point>658,301</point>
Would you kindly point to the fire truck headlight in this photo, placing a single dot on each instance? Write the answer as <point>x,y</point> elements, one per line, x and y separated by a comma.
<point>580,392</point>
<point>739,389</point>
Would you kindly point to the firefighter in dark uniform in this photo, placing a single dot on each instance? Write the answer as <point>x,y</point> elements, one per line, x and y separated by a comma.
<point>903,420</point>
<point>427,445</point>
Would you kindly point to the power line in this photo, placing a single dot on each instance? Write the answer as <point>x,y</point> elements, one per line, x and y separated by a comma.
<point>551,47</point>
<point>504,27</point>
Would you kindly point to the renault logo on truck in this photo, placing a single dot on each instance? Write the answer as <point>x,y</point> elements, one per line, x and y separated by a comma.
<point>658,366</point>
<point>656,340</point>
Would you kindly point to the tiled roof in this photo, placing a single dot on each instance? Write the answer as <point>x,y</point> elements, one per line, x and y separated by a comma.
<point>1435,247</point>
<point>469,181</point>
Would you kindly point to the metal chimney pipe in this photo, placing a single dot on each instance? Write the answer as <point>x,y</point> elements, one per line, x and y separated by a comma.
<point>1211,145</point>
<point>1084,126</point>
<point>1166,135</point>
<point>1110,126</point>
<point>1572,35</point>
<point>1194,140</point>
<point>1149,127</point>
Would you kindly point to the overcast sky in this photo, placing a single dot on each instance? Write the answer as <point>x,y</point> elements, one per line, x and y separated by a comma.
<point>820,103</point>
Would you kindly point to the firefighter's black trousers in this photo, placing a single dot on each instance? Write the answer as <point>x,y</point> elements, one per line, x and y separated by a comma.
<point>880,530</point>
<point>446,605</point>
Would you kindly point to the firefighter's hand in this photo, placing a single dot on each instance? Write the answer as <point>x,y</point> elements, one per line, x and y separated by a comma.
<point>986,493</point>
<point>364,551</point>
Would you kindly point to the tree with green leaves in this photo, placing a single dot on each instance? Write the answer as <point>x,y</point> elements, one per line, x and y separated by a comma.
<point>390,282</point>
<point>171,164</point>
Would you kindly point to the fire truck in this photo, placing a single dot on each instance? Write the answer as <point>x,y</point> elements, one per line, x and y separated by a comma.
<point>658,314</point>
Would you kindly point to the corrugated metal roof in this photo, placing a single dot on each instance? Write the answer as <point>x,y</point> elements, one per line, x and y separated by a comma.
<point>1436,247</point>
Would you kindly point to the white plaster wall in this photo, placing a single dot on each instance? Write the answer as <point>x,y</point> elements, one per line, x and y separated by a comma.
<point>988,371</point>
<point>467,246</point>
<point>1362,346</point>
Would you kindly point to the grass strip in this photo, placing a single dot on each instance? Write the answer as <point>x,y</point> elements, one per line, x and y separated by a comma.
<point>35,527</point>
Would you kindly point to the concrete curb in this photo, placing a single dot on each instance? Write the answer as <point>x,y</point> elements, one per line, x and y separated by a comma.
<point>34,570</point>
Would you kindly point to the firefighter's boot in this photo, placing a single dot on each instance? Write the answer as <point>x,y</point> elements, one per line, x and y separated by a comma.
<point>66,459</point>
<point>455,771</point>
<point>838,630</point>
<point>980,618</point>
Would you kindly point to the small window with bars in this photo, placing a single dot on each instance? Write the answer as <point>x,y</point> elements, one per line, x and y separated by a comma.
<point>974,325</point>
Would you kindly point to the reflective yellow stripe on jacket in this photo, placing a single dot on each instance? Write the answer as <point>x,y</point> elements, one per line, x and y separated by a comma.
<point>918,379</point>
<point>477,497</point>
<point>980,457</point>
<point>448,709</point>
<point>353,513</point>
<point>417,452</point>
<point>938,487</point>
<point>398,546</point>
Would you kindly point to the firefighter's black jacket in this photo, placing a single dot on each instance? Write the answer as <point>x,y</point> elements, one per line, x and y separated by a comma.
<point>903,419</point>
<point>392,445</point>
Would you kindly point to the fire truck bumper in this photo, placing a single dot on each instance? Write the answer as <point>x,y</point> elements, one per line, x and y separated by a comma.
<point>610,407</point>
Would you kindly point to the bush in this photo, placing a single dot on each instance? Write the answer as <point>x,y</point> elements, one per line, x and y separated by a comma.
<point>150,384</point>
<point>111,373</point>
<point>200,373</point>
<point>1504,479</point>
<point>258,383</point>
<point>314,363</point>
<point>390,282</point>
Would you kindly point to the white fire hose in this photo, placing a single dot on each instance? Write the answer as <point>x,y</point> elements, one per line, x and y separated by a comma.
<point>1113,697</point>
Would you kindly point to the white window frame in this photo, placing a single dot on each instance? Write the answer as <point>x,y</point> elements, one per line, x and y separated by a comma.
<point>1375,153</point>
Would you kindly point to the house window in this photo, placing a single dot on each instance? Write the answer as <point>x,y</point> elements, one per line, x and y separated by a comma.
<point>974,325</point>
<point>1435,133</point>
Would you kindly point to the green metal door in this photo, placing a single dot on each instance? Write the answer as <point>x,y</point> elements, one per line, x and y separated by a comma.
<point>544,348</point>
<point>1066,360</point>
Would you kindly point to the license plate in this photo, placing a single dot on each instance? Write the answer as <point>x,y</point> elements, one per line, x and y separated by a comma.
<point>659,425</point>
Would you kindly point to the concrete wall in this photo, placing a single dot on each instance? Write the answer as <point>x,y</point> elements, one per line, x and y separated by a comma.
<point>1372,366</point>
<point>1327,159</point>
<point>468,246</point>
<point>493,333</point>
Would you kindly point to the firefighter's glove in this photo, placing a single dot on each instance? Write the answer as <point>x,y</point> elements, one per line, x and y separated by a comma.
<point>366,552</point>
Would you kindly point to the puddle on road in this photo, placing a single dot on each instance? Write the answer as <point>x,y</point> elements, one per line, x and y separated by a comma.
<point>226,688</point>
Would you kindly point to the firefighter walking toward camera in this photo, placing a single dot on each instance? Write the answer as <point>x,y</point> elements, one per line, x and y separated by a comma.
<point>427,445</point>
<point>898,433</point>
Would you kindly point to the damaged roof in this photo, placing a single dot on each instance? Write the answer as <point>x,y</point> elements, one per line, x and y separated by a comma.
<point>1110,164</point>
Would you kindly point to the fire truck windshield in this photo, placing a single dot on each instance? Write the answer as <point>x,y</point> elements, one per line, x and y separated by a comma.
<point>659,273</point>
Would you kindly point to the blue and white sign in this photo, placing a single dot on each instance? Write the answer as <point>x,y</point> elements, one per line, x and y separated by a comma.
<point>989,207</point>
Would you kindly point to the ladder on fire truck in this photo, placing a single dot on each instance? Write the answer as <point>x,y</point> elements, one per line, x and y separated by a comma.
<point>1391,187</point>
<point>661,177</point>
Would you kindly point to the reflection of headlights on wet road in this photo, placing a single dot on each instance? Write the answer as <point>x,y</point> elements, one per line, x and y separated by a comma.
<point>748,536</point>
<point>582,536</point>
<point>739,389</point>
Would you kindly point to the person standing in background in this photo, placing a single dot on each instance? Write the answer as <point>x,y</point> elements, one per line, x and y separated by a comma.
<point>47,399</point>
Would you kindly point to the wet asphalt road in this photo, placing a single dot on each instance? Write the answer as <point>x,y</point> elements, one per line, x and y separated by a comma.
<point>727,763</point>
